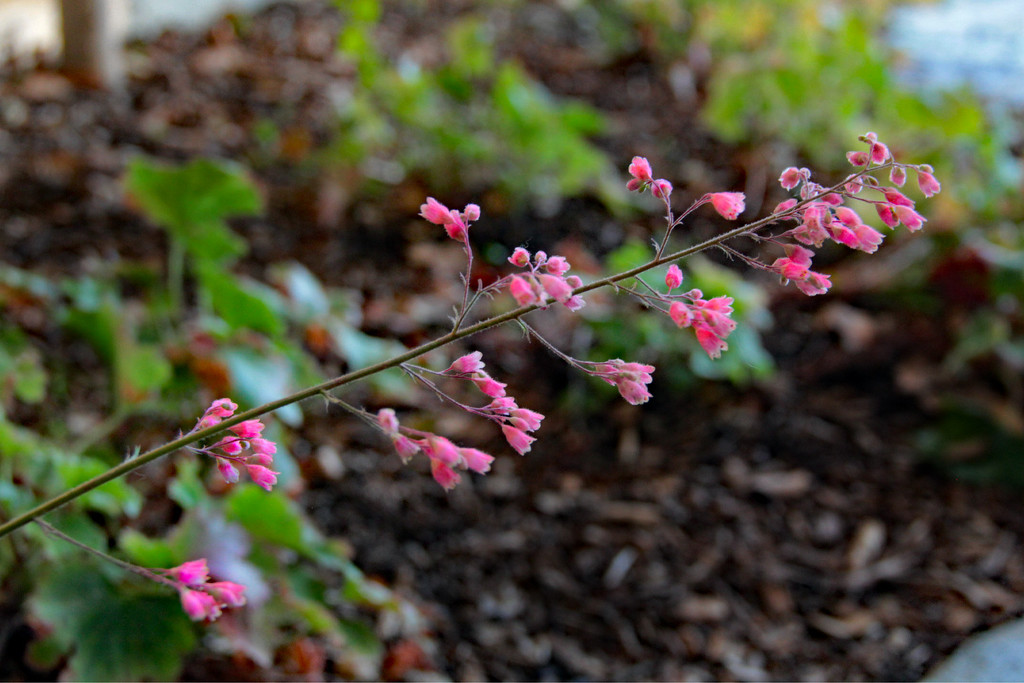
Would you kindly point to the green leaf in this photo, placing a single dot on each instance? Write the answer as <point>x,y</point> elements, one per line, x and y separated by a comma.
<point>145,551</point>
<point>142,369</point>
<point>361,637</point>
<point>94,315</point>
<point>242,303</point>
<point>271,517</point>
<point>186,488</point>
<point>192,195</point>
<point>140,637</point>
<point>113,498</point>
<point>306,294</point>
<point>65,595</point>
<point>259,379</point>
<point>116,634</point>
<point>630,255</point>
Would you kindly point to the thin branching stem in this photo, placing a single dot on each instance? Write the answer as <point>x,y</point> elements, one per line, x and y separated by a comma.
<point>135,569</point>
<point>457,333</point>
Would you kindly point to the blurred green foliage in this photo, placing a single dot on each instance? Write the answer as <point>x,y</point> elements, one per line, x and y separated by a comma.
<point>810,75</point>
<point>468,122</point>
<point>237,336</point>
<point>640,334</point>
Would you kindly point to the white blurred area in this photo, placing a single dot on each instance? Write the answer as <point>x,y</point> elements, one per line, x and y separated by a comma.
<point>28,26</point>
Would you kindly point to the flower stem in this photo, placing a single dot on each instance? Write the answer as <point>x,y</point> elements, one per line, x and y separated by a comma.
<point>135,569</point>
<point>319,389</point>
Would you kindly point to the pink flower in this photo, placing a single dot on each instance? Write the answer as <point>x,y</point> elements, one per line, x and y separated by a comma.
<point>247,429</point>
<point>467,365</point>
<point>192,573</point>
<point>218,410</point>
<point>476,460</point>
<point>227,470</point>
<point>680,314</point>
<point>230,445</point>
<point>927,182</point>
<point>784,206</point>
<point>457,229</point>
<point>640,169</point>
<point>439,214</point>
<point>860,236</point>
<point>557,265</point>
<point>852,186</point>
<point>795,265</point>
<point>710,342</point>
<point>199,606</point>
<point>715,313</point>
<point>261,446</point>
<point>517,438</point>
<point>521,291</point>
<point>814,283</point>
<point>674,277</point>
<point>520,257</point>
<point>444,475</point>
<point>502,404</point>
<point>729,204</point>
<point>575,303</point>
<point>897,198</point>
<point>405,447</point>
<point>898,176</point>
<point>556,287</point>
<point>857,158</point>
<point>387,420</point>
<point>910,218</point>
<point>443,450</point>
<point>848,217</point>
<point>222,407</point>
<point>887,215</point>
<point>489,386</point>
<point>661,189</point>
<point>228,593</point>
<point>629,378</point>
<point>527,420</point>
<point>879,152</point>
<point>792,176</point>
<point>262,476</point>
<point>471,213</point>
<point>634,392</point>
<point>435,212</point>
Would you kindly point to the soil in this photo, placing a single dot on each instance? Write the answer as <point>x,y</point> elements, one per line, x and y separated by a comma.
<point>788,530</point>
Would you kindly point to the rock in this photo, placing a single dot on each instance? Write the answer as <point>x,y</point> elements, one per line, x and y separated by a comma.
<point>995,655</point>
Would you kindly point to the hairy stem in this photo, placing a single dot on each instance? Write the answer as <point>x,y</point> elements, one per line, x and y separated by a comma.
<point>141,571</point>
<point>456,334</point>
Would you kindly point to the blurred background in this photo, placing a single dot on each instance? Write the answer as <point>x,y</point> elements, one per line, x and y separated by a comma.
<point>221,201</point>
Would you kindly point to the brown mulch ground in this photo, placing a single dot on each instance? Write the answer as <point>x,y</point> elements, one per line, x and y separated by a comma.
<point>782,532</point>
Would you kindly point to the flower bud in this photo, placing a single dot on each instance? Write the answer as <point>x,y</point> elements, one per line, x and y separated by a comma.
<point>728,204</point>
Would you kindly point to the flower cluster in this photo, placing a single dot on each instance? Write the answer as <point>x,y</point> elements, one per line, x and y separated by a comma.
<point>514,421</point>
<point>728,204</point>
<point>709,318</point>
<point>455,223</point>
<point>631,379</point>
<point>643,179</point>
<point>202,599</point>
<point>445,457</point>
<point>230,451</point>
<point>545,277</point>
<point>822,215</point>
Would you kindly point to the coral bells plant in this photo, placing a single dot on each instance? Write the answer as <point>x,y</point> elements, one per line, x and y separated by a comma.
<point>241,447</point>
<point>815,215</point>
